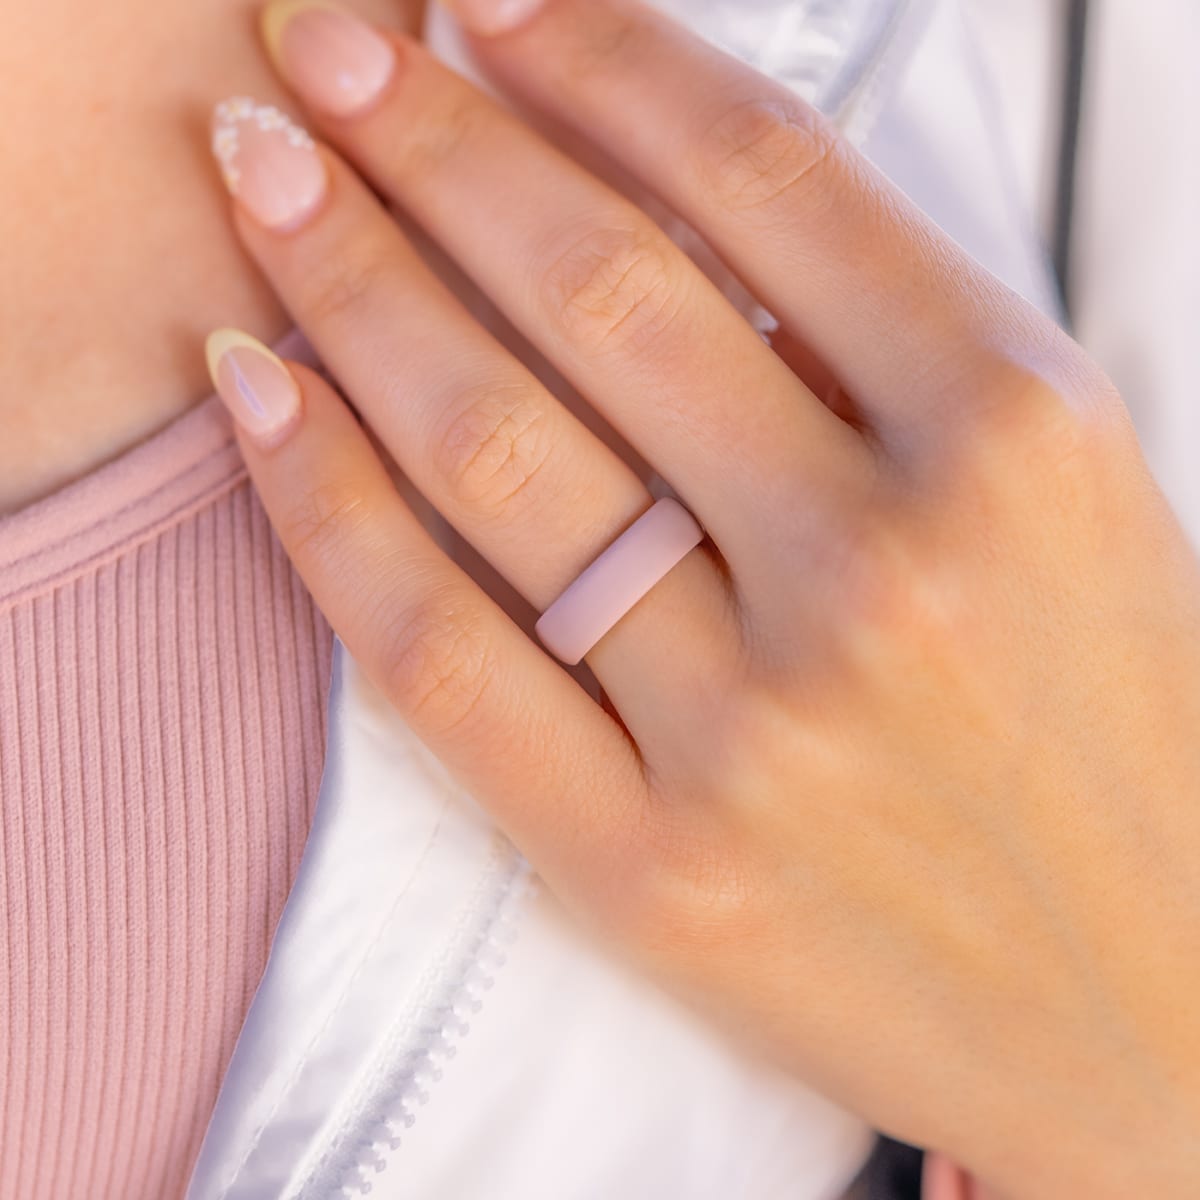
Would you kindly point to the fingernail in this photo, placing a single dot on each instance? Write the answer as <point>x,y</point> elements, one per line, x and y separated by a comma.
<point>257,388</point>
<point>490,17</point>
<point>268,162</point>
<point>332,57</point>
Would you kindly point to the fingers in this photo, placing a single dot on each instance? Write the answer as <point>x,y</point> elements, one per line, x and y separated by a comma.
<point>520,477</point>
<point>496,454</point>
<point>555,770</point>
<point>595,285</point>
<point>845,261</point>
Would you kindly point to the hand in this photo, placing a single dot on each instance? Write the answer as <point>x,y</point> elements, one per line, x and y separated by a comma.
<point>899,771</point>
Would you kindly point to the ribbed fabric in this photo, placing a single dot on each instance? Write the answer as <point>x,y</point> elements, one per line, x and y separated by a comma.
<point>163,677</point>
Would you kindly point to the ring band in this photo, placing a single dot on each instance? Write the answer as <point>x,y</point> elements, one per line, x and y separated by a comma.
<point>615,581</point>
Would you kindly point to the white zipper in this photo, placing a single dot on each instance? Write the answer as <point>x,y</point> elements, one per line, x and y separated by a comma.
<point>425,1036</point>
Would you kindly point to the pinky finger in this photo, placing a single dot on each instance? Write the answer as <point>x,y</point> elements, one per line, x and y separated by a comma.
<point>557,772</point>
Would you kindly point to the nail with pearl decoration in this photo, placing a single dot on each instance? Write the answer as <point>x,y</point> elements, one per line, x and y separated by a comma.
<point>267,161</point>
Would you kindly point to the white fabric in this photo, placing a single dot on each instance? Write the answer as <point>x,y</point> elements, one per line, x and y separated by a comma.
<point>941,138</point>
<point>1138,277</point>
<point>1136,249</point>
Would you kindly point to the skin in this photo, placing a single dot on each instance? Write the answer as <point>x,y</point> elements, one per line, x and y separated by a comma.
<point>108,288</point>
<point>897,778</point>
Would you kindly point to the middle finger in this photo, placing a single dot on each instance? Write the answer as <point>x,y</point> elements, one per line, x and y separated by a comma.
<point>620,310</point>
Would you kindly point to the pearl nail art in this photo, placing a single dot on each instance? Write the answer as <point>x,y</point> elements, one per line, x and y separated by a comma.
<point>267,161</point>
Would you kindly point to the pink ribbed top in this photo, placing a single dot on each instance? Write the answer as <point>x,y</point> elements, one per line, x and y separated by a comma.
<point>163,676</point>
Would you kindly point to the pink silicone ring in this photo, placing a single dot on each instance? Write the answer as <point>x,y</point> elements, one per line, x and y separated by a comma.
<point>617,580</point>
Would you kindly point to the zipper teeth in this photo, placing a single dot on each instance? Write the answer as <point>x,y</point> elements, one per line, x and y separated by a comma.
<point>445,1025</point>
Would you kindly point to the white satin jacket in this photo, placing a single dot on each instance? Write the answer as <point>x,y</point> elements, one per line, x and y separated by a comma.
<point>428,1025</point>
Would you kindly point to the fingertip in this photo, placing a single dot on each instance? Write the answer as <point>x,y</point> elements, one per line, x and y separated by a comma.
<point>272,18</point>
<point>255,384</point>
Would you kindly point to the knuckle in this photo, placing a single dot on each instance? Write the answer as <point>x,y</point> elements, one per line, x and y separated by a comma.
<point>602,40</point>
<point>614,289</point>
<point>894,601</point>
<point>761,152</point>
<point>341,283</point>
<point>437,664</point>
<point>320,523</point>
<point>1032,441</point>
<point>704,894</point>
<point>430,142</point>
<point>493,448</point>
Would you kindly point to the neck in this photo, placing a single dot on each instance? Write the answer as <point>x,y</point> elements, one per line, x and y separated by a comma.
<point>119,252</point>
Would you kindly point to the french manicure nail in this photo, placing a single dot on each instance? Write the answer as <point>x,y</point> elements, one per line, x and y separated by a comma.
<point>252,380</point>
<point>491,17</point>
<point>268,162</point>
<point>333,58</point>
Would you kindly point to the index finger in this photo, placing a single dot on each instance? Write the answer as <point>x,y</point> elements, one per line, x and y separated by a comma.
<point>844,260</point>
